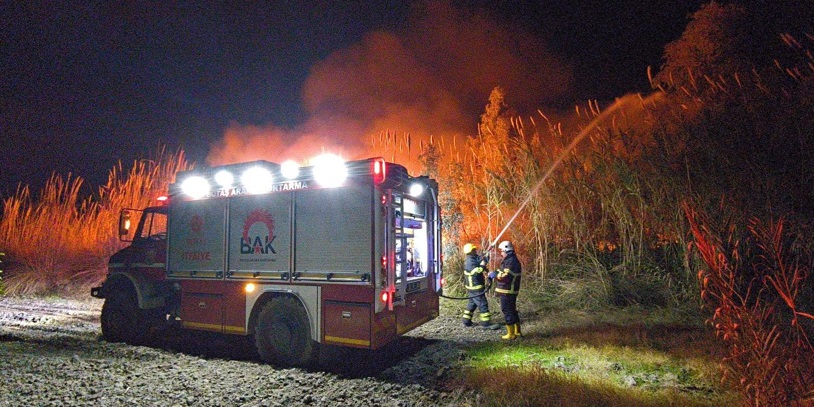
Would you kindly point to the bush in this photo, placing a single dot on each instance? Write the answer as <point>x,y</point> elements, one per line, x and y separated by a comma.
<point>586,293</point>
<point>646,289</point>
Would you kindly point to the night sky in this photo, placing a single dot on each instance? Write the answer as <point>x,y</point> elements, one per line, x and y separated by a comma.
<point>87,84</point>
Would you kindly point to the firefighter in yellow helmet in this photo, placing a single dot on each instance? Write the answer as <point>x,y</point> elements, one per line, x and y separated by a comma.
<point>508,286</point>
<point>475,282</point>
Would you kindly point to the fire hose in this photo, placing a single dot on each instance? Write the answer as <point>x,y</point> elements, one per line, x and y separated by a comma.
<point>485,260</point>
<point>485,290</point>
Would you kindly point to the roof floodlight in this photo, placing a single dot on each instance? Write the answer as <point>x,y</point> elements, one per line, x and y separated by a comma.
<point>224,178</point>
<point>195,187</point>
<point>290,169</point>
<point>257,180</point>
<point>329,170</point>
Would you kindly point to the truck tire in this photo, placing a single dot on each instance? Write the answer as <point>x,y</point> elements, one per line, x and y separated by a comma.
<point>283,333</point>
<point>122,320</point>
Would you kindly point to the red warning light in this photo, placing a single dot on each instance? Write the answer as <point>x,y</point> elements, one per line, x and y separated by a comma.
<point>378,169</point>
<point>385,296</point>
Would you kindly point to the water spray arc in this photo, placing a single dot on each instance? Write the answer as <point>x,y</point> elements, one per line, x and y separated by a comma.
<point>582,134</point>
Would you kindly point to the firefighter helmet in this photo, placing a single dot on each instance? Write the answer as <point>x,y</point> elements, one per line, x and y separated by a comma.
<point>468,248</point>
<point>505,246</point>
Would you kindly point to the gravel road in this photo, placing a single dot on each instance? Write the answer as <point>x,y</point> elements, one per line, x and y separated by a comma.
<point>51,354</point>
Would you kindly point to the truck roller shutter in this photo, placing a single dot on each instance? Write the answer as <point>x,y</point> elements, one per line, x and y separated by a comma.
<point>334,234</point>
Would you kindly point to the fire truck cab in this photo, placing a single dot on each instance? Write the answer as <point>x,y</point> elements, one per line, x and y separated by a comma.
<point>338,253</point>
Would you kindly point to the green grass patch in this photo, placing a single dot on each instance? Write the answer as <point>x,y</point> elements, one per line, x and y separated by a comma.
<point>644,359</point>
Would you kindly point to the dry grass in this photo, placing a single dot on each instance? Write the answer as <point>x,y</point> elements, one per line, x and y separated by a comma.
<point>554,195</point>
<point>59,242</point>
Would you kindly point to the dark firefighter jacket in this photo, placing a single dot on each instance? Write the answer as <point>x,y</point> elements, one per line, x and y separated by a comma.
<point>508,276</point>
<point>473,272</point>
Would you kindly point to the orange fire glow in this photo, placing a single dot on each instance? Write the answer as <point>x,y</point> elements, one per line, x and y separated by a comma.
<point>393,91</point>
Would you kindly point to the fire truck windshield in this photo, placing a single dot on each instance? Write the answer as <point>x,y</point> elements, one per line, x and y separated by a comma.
<point>153,226</point>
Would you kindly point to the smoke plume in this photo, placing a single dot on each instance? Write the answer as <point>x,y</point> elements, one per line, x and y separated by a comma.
<point>392,90</point>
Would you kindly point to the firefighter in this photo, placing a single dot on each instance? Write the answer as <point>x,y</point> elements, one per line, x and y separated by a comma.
<point>475,281</point>
<point>508,286</point>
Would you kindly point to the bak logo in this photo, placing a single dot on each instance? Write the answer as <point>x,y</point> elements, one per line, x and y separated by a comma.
<point>196,224</point>
<point>258,233</point>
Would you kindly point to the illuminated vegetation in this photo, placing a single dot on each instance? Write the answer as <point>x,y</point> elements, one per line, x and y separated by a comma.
<point>756,286</point>
<point>607,229</point>
<point>59,242</point>
<point>597,360</point>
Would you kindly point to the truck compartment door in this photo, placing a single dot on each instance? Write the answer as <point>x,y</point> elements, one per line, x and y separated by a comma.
<point>260,237</point>
<point>202,305</point>
<point>347,323</point>
<point>197,233</point>
<point>333,234</point>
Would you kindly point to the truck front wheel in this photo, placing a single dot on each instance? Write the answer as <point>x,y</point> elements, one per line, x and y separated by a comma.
<point>283,333</point>
<point>122,320</point>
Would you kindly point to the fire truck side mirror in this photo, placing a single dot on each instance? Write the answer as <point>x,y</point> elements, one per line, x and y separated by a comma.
<point>124,223</point>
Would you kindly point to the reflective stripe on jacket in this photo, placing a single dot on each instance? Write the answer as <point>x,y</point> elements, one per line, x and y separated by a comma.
<point>473,272</point>
<point>508,277</point>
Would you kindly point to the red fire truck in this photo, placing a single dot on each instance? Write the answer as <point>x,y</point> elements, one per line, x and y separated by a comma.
<point>338,253</point>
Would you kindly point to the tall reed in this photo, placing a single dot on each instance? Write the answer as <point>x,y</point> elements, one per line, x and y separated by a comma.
<point>60,241</point>
<point>754,282</point>
<point>595,203</point>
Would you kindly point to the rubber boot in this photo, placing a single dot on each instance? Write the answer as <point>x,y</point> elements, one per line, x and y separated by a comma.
<point>509,332</point>
<point>517,330</point>
<point>466,322</point>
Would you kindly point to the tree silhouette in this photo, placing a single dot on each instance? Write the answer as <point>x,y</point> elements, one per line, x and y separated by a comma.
<point>715,42</point>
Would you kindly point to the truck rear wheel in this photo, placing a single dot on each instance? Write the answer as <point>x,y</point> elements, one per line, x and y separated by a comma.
<point>283,333</point>
<point>122,320</point>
